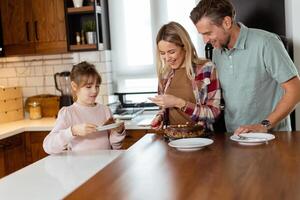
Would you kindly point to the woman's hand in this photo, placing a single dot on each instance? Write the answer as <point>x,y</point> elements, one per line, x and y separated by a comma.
<point>167,101</point>
<point>157,122</point>
<point>83,129</point>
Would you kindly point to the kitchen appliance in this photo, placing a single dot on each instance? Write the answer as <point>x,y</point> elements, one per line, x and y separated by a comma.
<point>63,84</point>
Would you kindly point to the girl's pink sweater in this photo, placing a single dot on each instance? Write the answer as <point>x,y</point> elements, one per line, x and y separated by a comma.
<point>61,138</point>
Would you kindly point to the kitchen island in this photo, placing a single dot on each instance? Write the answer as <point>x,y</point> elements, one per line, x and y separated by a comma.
<point>21,142</point>
<point>55,176</point>
<point>151,169</point>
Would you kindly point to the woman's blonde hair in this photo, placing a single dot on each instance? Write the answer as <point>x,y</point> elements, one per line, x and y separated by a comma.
<point>175,33</point>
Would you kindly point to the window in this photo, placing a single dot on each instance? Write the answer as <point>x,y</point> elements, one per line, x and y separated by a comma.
<point>133,26</point>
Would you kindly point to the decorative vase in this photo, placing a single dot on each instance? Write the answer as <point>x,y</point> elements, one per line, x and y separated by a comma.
<point>77,3</point>
<point>90,37</point>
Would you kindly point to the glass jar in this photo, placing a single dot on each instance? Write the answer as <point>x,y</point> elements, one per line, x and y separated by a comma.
<point>35,111</point>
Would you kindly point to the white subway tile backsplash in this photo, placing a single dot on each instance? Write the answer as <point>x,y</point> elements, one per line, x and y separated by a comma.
<point>35,73</point>
<point>92,56</point>
<point>8,72</point>
<point>15,64</point>
<point>33,63</point>
<point>46,90</point>
<point>38,71</point>
<point>14,59</point>
<point>29,91</point>
<point>52,62</point>
<point>22,81</point>
<point>99,99</point>
<point>32,58</point>
<point>76,58</point>
<point>52,57</point>
<point>68,61</point>
<point>106,78</point>
<point>61,68</point>
<point>35,81</point>
<point>2,60</point>
<point>49,81</point>
<point>68,55</point>
<point>25,71</point>
<point>105,99</point>
<point>105,56</point>
<point>3,82</point>
<point>103,89</point>
<point>48,70</point>
<point>13,82</point>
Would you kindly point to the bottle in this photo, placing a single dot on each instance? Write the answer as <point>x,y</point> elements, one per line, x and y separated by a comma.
<point>77,38</point>
<point>209,51</point>
<point>82,37</point>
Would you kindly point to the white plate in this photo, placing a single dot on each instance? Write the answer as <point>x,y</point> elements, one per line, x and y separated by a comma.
<point>190,144</point>
<point>252,138</point>
<point>109,126</point>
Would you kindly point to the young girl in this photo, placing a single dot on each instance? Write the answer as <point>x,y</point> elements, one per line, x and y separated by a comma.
<point>75,127</point>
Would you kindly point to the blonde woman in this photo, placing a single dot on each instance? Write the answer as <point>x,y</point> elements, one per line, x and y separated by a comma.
<point>188,89</point>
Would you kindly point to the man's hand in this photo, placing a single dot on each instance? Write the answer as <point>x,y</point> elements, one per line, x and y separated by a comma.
<point>251,128</point>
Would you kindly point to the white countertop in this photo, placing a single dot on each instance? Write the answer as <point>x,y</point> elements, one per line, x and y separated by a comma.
<point>16,127</point>
<point>142,121</point>
<point>55,176</point>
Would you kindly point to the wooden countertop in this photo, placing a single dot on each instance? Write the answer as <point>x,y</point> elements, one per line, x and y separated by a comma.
<point>151,169</point>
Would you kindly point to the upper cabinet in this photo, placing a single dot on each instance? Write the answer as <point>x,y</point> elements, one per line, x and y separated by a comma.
<point>87,25</point>
<point>33,26</point>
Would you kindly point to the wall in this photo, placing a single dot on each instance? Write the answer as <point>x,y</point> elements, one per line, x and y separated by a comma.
<point>35,73</point>
<point>293,31</point>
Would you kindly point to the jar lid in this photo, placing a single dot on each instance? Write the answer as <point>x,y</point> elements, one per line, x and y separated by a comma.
<point>34,103</point>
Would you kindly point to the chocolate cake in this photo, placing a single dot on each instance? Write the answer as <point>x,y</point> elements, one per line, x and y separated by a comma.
<point>184,131</point>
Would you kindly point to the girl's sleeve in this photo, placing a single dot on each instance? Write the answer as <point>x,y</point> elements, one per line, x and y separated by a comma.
<point>61,135</point>
<point>115,138</point>
<point>208,110</point>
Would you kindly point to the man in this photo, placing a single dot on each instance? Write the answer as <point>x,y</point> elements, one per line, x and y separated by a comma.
<point>259,80</point>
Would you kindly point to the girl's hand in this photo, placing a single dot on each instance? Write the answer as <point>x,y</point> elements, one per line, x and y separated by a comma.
<point>120,128</point>
<point>156,123</point>
<point>109,121</point>
<point>167,101</point>
<point>83,129</point>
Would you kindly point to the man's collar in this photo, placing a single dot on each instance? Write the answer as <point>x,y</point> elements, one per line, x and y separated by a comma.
<point>241,40</point>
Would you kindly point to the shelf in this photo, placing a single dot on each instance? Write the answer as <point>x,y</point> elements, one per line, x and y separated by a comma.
<point>75,22</point>
<point>83,9</point>
<point>76,47</point>
<point>83,47</point>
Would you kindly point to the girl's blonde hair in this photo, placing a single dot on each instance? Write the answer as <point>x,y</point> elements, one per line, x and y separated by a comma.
<point>175,33</point>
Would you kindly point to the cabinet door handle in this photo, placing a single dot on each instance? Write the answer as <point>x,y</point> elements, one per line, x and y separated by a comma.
<point>27,31</point>
<point>36,31</point>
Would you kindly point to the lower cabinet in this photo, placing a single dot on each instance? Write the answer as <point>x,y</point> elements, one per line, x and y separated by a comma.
<point>20,150</point>
<point>132,136</point>
<point>12,154</point>
<point>34,146</point>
